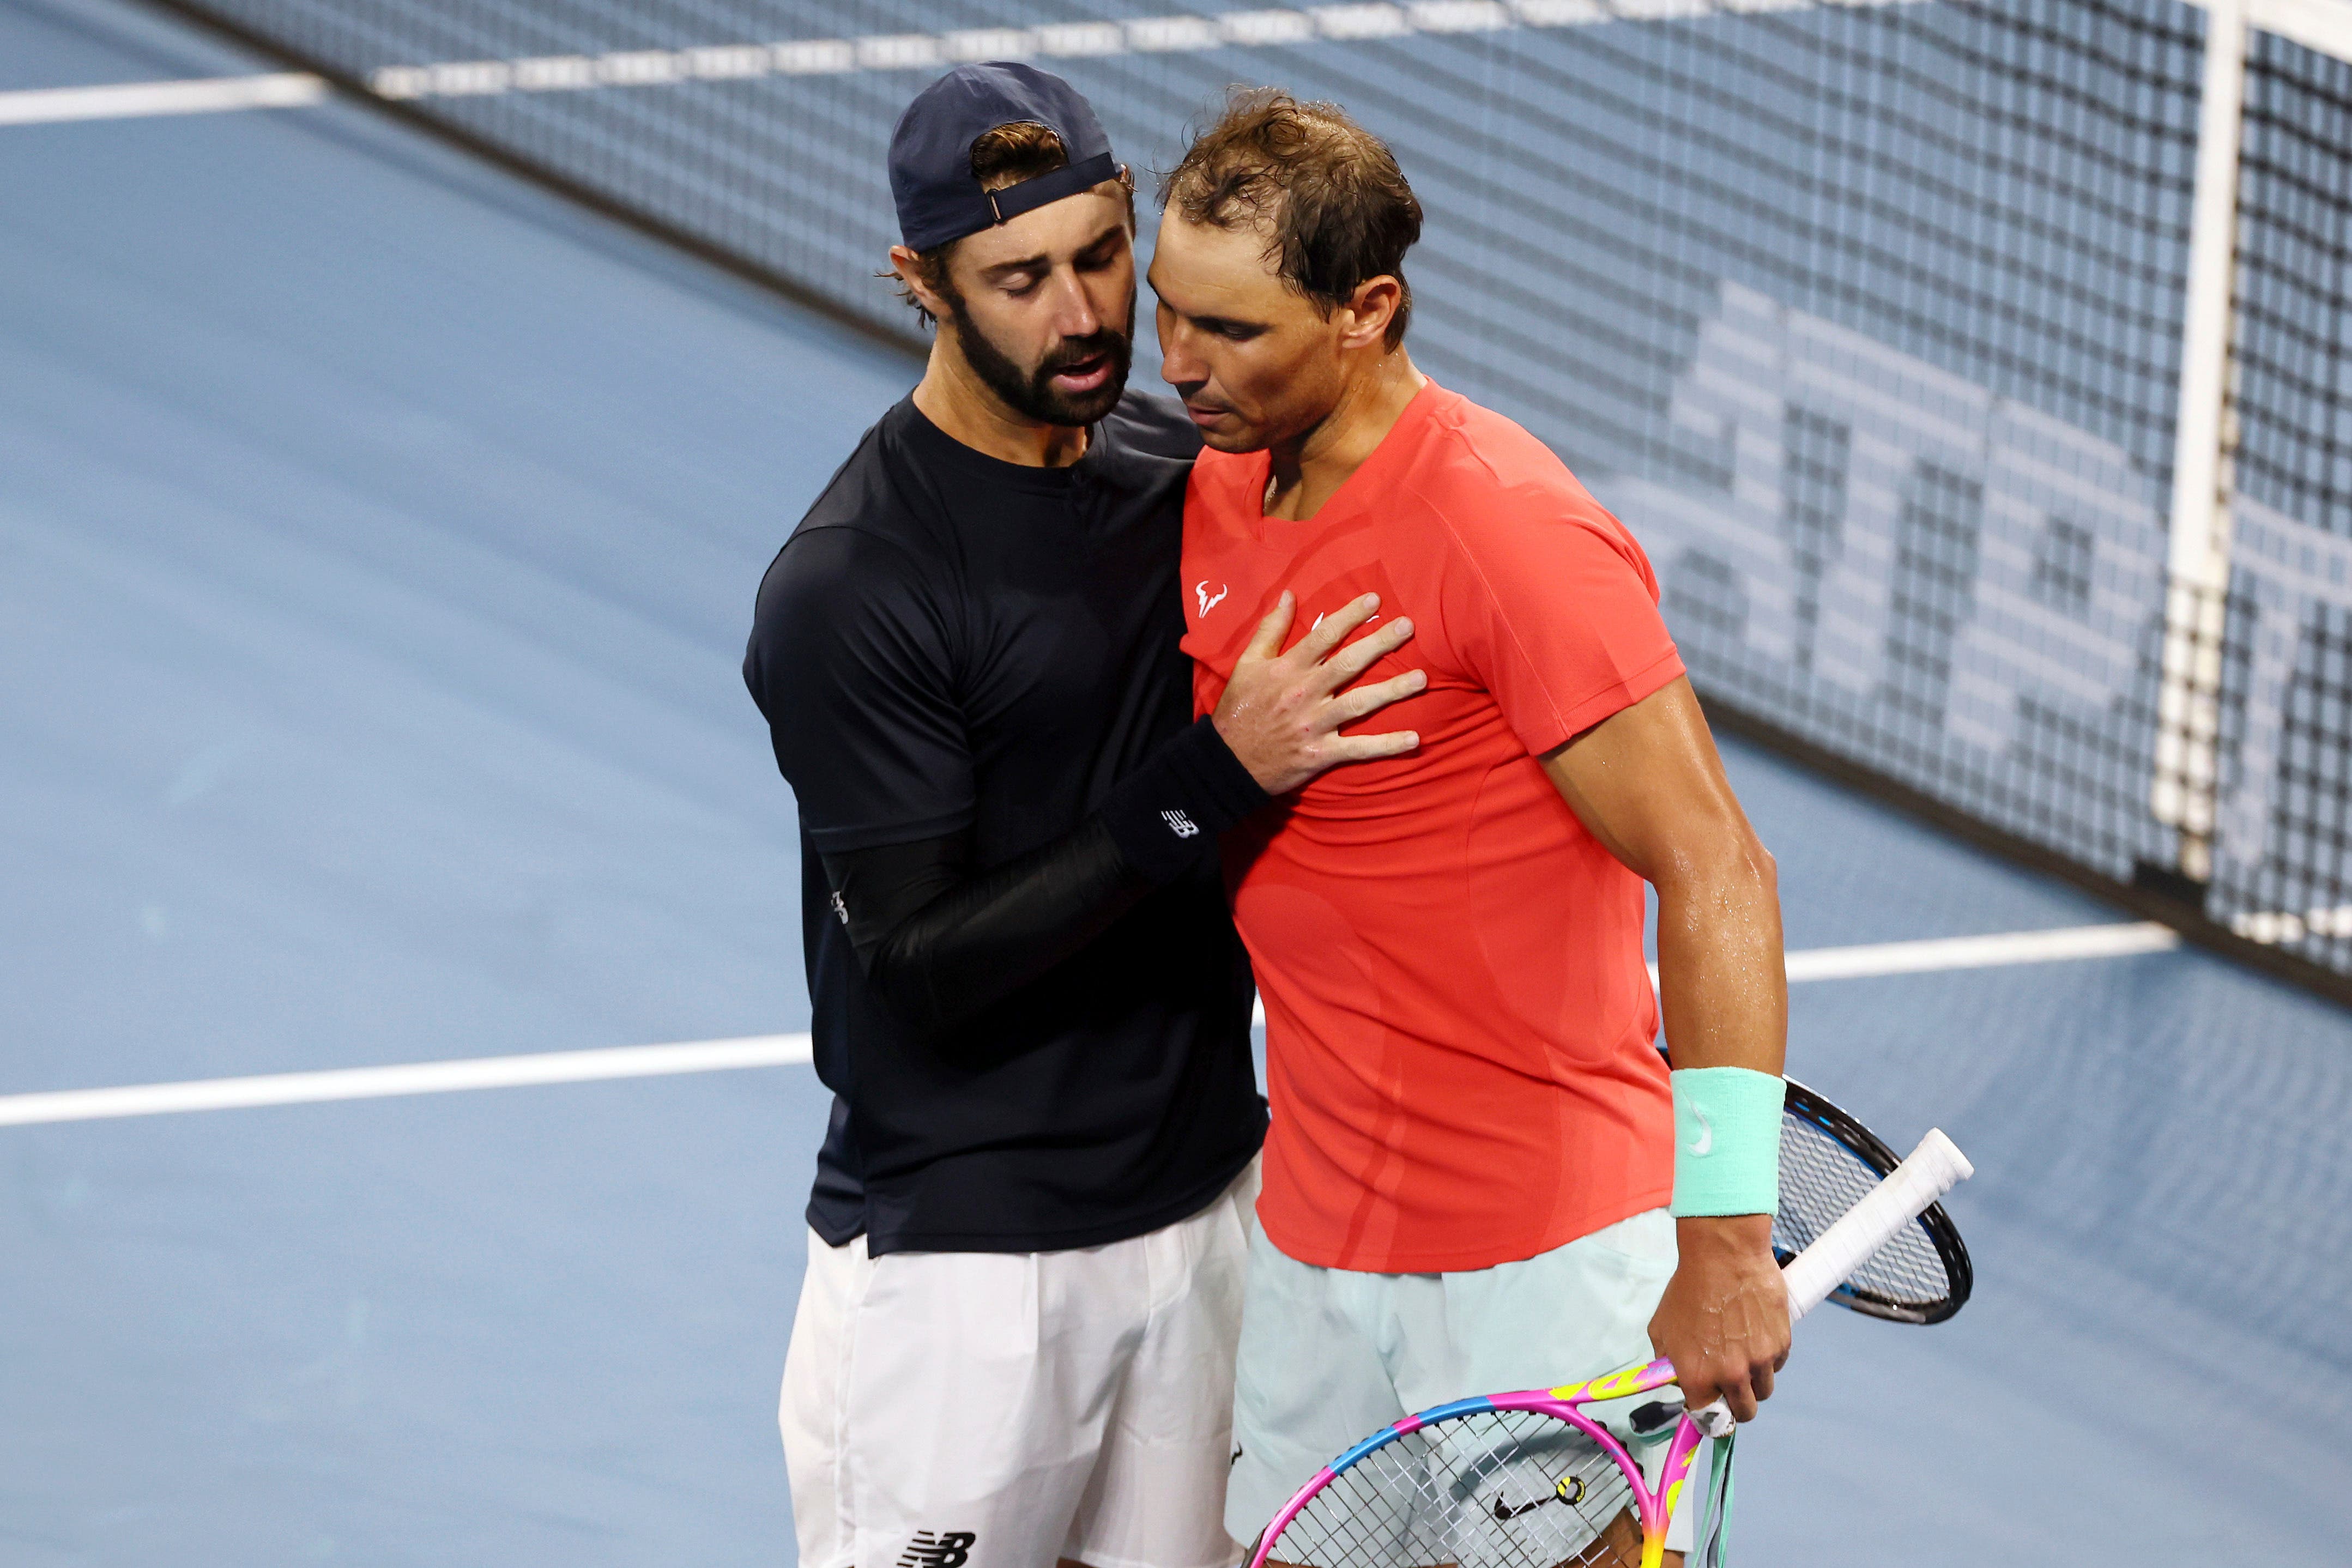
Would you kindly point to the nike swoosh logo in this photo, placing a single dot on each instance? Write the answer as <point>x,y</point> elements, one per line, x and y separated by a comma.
<point>1701,1145</point>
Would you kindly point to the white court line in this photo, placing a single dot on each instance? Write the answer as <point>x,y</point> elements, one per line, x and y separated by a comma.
<point>1982,952</point>
<point>411,1077</point>
<point>907,52</point>
<point>779,1049</point>
<point>2322,25</point>
<point>1997,951</point>
<point>137,101</point>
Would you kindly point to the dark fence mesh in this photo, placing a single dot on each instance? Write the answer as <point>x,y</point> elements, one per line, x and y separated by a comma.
<point>1865,316</point>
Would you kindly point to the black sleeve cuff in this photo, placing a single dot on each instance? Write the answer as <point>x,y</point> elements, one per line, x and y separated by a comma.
<point>1165,816</point>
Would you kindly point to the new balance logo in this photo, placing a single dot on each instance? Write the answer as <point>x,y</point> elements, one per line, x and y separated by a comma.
<point>1183,826</point>
<point>840,910</point>
<point>1208,600</point>
<point>948,1549</point>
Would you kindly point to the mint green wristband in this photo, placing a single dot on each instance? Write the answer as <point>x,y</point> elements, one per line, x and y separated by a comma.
<point>1726,1141</point>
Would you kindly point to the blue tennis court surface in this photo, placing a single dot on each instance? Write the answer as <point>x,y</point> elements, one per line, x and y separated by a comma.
<point>377,537</point>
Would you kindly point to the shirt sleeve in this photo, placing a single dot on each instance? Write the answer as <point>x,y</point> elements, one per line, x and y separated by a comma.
<point>1553,607</point>
<point>850,662</point>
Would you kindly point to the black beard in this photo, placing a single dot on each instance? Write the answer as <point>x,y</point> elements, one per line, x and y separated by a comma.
<point>1032,393</point>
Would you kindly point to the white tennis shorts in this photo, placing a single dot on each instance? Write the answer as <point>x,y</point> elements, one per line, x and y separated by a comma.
<point>1332,1355</point>
<point>1001,1410</point>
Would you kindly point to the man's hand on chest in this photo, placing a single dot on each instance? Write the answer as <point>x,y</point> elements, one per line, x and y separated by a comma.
<point>1281,712</point>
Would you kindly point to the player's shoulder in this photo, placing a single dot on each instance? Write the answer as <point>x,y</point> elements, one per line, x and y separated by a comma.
<point>866,530</point>
<point>1483,453</point>
<point>1491,478</point>
<point>889,490</point>
<point>1154,425</point>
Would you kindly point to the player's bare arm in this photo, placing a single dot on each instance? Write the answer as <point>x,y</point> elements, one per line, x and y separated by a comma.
<point>1647,782</point>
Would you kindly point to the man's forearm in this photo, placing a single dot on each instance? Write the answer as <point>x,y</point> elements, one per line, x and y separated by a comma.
<point>941,942</point>
<point>1649,785</point>
<point>1723,983</point>
<point>1723,986</point>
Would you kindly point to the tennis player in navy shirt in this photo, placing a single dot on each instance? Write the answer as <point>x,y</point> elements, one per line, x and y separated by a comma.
<point>1015,1339</point>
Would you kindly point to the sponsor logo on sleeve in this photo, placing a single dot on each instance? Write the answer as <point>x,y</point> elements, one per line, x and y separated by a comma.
<point>1209,600</point>
<point>1183,826</point>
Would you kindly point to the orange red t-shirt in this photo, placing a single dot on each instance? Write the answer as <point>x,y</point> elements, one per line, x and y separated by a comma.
<point>1459,1025</point>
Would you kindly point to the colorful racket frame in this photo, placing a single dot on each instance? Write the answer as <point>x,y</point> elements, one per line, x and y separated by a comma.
<point>1656,1508</point>
<point>1934,1168</point>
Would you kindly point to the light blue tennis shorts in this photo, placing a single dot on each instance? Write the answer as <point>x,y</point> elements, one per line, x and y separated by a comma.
<point>1331,1356</point>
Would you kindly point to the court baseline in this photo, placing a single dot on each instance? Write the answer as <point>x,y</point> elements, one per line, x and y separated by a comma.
<point>2076,942</point>
<point>143,100</point>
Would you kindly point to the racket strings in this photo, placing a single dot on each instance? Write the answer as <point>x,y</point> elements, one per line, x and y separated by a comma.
<point>1821,1179</point>
<point>1514,1488</point>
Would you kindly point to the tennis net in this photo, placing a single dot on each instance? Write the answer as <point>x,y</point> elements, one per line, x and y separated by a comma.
<point>1868,318</point>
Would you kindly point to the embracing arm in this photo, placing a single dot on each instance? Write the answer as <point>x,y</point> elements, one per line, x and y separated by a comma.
<point>1648,784</point>
<point>941,941</point>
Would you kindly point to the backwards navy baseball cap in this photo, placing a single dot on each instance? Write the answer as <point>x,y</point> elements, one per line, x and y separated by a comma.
<point>939,197</point>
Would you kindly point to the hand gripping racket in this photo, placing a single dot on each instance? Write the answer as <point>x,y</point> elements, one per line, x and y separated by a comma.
<point>1538,1479</point>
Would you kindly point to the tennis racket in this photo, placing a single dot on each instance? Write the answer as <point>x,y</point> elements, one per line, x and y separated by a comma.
<point>1543,1478</point>
<point>1828,1161</point>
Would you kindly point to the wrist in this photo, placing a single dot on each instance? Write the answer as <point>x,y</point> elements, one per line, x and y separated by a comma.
<point>1165,815</point>
<point>1739,1234</point>
<point>1217,726</point>
<point>1230,786</point>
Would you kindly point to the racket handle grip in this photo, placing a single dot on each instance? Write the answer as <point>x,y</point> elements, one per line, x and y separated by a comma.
<point>1715,1420</point>
<point>1934,1167</point>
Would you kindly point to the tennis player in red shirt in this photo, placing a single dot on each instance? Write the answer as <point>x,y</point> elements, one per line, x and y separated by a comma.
<point>1474,1179</point>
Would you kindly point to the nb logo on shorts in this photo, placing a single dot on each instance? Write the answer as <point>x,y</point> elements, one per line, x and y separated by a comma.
<point>1183,826</point>
<point>948,1549</point>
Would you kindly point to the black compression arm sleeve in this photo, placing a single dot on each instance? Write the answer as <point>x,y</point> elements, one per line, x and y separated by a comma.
<point>939,942</point>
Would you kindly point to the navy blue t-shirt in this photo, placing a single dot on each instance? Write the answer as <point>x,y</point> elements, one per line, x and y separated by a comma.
<point>949,643</point>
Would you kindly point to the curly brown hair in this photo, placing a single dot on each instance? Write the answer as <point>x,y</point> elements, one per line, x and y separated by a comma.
<point>1334,208</point>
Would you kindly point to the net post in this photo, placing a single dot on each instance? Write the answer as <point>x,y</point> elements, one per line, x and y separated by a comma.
<point>2188,741</point>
